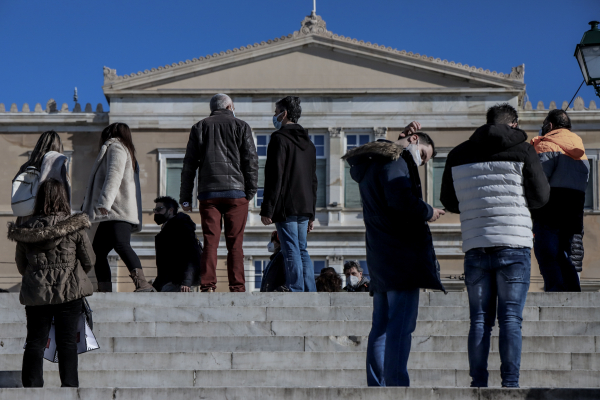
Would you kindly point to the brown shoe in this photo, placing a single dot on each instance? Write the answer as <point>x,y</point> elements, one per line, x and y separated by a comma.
<point>141,284</point>
<point>104,286</point>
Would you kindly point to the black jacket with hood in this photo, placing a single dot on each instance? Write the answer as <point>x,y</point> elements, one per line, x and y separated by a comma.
<point>290,175</point>
<point>221,148</point>
<point>177,252</point>
<point>400,250</point>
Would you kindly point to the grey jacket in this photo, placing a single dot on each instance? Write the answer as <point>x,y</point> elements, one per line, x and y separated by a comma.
<point>53,255</point>
<point>114,185</point>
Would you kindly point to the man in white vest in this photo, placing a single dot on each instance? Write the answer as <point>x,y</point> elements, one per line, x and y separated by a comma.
<point>492,180</point>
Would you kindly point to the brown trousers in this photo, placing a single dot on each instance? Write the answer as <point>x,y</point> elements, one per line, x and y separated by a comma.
<point>234,213</point>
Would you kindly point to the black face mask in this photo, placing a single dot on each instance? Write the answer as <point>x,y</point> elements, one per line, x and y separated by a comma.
<point>160,218</point>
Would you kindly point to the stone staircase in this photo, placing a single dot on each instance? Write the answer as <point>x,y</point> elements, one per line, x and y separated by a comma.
<point>304,346</point>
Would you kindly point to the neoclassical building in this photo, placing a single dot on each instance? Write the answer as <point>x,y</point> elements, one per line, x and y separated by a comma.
<point>352,92</point>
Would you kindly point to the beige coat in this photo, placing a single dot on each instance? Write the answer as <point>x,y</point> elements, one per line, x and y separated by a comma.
<point>54,255</point>
<point>114,185</point>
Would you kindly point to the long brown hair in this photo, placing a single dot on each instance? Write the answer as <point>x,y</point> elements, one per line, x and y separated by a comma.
<point>49,141</point>
<point>122,132</point>
<point>51,199</point>
<point>328,281</point>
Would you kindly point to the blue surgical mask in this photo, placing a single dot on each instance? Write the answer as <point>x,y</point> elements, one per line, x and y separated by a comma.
<point>277,124</point>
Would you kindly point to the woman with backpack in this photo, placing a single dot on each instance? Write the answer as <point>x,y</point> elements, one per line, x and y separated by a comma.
<point>54,255</point>
<point>113,200</point>
<point>46,161</point>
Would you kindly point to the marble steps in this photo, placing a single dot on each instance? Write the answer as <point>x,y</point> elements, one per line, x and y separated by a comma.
<point>300,393</point>
<point>543,344</point>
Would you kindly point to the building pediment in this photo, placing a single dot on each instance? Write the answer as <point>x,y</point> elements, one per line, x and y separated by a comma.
<point>312,58</point>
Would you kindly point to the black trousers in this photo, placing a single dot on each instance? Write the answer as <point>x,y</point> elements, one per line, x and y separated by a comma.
<point>39,319</point>
<point>113,235</point>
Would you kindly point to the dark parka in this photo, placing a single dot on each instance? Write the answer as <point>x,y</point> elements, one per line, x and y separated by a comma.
<point>290,175</point>
<point>177,252</point>
<point>221,148</point>
<point>400,250</point>
<point>54,255</point>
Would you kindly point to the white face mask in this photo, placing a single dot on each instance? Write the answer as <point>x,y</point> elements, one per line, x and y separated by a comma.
<point>352,280</point>
<point>271,247</point>
<point>277,124</point>
<point>413,148</point>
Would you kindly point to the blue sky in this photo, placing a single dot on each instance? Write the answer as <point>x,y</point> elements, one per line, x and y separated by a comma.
<point>49,47</point>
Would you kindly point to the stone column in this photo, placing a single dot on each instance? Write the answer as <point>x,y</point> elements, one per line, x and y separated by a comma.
<point>335,188</point>
<point>113,261</point>
<point>249,273</point>
<point>380,133</point>
<point>337,263</point>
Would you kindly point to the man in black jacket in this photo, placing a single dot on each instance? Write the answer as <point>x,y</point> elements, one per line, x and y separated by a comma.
<point>290,193</point>
<point>400,252</point>
<point>222,149</point>
<point>492,180</point>
<point>177,248</point>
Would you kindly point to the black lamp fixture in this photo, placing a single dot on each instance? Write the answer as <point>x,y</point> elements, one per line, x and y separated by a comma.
<point>587,53</point>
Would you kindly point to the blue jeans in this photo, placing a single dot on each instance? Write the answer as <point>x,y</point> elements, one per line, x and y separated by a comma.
<point>502,278</point>
<point>394,320</point>
<point>299,270</point>
<point>552,248</point>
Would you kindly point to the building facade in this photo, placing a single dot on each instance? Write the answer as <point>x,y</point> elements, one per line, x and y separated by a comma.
<point>352,92</point>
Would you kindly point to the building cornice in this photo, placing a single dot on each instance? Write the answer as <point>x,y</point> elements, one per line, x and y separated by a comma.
<point>316,91</point>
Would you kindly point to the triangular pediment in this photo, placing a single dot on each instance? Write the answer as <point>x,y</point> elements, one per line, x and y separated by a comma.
<point>312,58</point>
<point>317,67</point>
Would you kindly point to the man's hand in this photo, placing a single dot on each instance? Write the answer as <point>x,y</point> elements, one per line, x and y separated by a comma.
<point>437,213</point>
<point>266,220</point>
<point>311,226</point>
<point>103,211</point>
<point>185,289</point>
<point>411,129</point>
<point>186,208</point>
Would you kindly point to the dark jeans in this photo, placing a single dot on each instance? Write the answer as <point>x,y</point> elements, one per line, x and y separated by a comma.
<point>113,235</point>
<point>299,270</point>
<point>553,247</point>
<point>234,213</point>
<point>39,319</point>
<point>394,320</point>
<point>496,279</point>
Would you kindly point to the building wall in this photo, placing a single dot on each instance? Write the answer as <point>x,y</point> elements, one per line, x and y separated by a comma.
<point>161,129</point>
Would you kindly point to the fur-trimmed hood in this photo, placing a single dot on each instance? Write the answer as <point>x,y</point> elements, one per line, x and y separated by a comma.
<point>380,148</point>
<point>45,228</point>
<point>361,157</point>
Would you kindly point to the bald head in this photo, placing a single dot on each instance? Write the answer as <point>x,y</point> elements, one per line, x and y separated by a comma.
<point>220,101</point>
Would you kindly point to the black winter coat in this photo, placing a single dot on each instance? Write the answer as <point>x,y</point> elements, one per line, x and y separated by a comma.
<point>221,148</point>
<point>178,253</point>
<point>400,250</point>
<point>290,175</point>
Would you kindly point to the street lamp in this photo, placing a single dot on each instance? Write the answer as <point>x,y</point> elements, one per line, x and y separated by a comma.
<point>588,56</point>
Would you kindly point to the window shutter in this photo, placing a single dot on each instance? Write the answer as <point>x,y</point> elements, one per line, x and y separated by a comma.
<point>351,190</point>
<point>261,172</point>
<point>439,163</point>
<point>321,177</point>
<point>174,168</point>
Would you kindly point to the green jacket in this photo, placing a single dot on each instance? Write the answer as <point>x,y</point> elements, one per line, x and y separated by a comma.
<point>53,255</point>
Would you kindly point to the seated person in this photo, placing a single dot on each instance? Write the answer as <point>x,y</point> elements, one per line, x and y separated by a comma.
<point>329,281</point>
<point>177,248</point>
<point>355,281</point>
<point>274,274</point>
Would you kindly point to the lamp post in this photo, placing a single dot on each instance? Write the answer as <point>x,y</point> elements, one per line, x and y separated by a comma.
<point>587,53</point>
